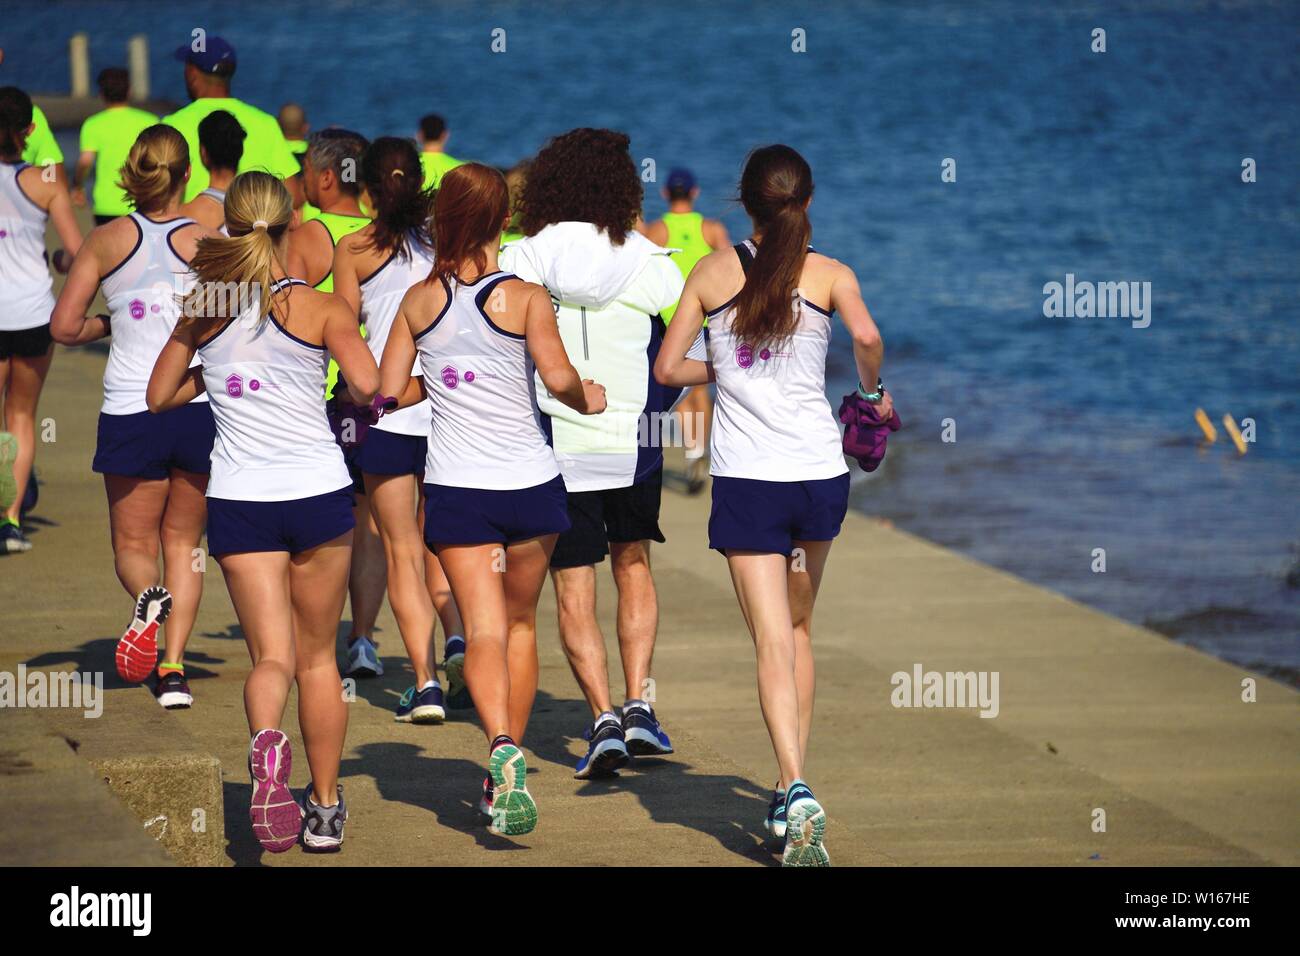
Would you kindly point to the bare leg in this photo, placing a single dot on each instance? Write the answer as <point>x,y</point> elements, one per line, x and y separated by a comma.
<point>258,582</point>
<point>182,529</point>
<point>480,594</point>
<point>584,645</point>
<point>392,503</point>
<point>526,564</point>
<point>317,583</point>
<point>804,577</point>
<point>638,614</point>
<point>22,391</point>
<point>761,588</point>
<point>135,514</point>
<point>369,574</point>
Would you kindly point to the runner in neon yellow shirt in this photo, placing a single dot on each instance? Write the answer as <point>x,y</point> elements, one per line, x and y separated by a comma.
<point>106,139</point>
<point>684,229</point>
<point>42,148</point>
<point>293,124</point>
<point>207,79</point>
<point>434,160</point>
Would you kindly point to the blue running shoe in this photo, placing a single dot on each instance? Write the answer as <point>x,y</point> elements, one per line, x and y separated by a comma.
<point>775,822</point>
<point>453,665</point>
<point>606,750</point>
<point>422,706</point>
<point>641,730</point>
<point>805,828</point>
<point>363,659</point>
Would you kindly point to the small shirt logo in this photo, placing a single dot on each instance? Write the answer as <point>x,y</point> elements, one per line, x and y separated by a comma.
<point>469,376</point>
<point>234,386</point>
<point>744,355</point>
<point>136,308</point>
<point>450,377</point>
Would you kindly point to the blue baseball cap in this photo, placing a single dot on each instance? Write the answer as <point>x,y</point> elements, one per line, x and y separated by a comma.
<point>217,56</point>
<point>681,178</point>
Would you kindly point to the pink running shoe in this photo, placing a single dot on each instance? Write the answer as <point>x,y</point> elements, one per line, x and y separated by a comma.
<point>275,814</point>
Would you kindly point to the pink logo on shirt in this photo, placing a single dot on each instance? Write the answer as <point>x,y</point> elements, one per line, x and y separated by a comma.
<point>234,386</point>
<point>744,355</point>
<point>469,376</point>
<point>136,308</point>
<point>450,377</point>
<point>4,233</point>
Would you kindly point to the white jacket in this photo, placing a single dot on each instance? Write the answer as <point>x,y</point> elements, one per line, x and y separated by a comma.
<point>608,300</point>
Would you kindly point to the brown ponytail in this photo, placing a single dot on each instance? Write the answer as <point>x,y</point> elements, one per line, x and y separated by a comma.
<point>774,189</point>
<point>154,171</point>
<point>394,181</point>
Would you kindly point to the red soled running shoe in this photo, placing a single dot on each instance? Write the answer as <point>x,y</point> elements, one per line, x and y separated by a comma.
<point>275,814</point>
<point>137,650</point>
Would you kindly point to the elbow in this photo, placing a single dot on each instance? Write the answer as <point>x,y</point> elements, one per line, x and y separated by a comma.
<point>663,373</point>
<point>155,402</point>
<point>869,341</point>
<point>366,388</point>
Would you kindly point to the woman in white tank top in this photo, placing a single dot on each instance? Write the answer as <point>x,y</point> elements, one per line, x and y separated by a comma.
<point>494,500</point>
<point>780,485</point>
<point>280,498</point>
<point>153,465</point>
<point>373,269</point>
<point>29,198</point>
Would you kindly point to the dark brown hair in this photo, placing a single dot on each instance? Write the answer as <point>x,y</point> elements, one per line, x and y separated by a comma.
<point>392,175</point>
<point>15,117</point>
<point>586,175</point>
<point>774,189</point>
<point>114,84</point>
<point>468,212</point>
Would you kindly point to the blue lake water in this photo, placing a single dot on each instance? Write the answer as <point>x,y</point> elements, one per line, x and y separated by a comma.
<point>1072,434</point>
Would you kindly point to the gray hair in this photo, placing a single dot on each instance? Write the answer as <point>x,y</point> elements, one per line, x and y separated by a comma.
<point>339,150</point>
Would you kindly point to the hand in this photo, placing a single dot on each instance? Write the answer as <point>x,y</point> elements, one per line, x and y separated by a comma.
<point>594,394</point>
<point>885,406</point>
<point>61,261</point>
<point>79,196</point>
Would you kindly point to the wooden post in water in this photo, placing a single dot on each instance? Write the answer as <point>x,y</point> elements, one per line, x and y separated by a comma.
<point>137,60</point>
<point>79,63</point>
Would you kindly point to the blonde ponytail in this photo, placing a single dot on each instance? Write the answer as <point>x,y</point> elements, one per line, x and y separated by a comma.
<point>154,171</point>
<point>258,210</point>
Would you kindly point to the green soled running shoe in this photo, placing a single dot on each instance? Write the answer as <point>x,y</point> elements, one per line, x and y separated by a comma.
<point>8,483</point>
<point>513,810</point>
<point>805,828</point>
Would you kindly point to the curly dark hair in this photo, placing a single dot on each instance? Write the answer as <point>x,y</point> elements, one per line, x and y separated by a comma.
<point>585,175</point>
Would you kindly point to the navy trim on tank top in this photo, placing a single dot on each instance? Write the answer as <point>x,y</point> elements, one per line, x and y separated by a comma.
<point>139,241</point>
<point>384,265</point>
<point>481,296</point>
<point>22,192</point>
<point>276,287</point>
<point>438,318</point>
<point>179,258</point>
<point>746,258</point>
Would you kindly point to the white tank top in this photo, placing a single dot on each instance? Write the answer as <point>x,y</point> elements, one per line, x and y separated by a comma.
<point>772,420</point>
<point>141,293</point>
<point>273,440</point>
<point>381,294</point>
<point>26,296</point>
<point>485,428</point>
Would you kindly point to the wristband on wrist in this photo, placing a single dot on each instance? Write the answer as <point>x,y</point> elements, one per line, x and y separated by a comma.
<point>875,396</point>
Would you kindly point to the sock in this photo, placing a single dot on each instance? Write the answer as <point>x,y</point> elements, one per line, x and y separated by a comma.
<point>453,637</point>
<point>427,684</point>
<point>6,520</point>
<point>164,666</point>
<point>695,454</point>
<point>635,702</point>
<point>500,740</point>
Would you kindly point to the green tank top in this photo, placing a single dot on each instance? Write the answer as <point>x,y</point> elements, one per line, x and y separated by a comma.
<point>685,232</point>
<point>339,225</point>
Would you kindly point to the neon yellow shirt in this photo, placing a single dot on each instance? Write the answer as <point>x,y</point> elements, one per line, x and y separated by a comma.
<point>339,225</point>
<point>264,148</point>
<point>42,147</point>
<point>685,232</point>
<point>110,134</point>
<point>437,165</point>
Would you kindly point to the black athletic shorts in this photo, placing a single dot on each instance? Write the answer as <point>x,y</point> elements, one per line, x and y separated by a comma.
<point>26,343</point>
<point>617,515</point>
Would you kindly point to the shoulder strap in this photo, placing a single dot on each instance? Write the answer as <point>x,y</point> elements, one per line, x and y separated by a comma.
<point>745,253</point>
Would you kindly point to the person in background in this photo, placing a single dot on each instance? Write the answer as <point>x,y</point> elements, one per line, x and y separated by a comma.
<point>332,182</point>
<point>692,237</point>
<point>516,176</point>
<point>434,159</point>
<point>42,148</point>
<point>208,75</point>
<point>106,138</point>
<point>28,201</point>
<point>221,143</point>
<point>293,124</point>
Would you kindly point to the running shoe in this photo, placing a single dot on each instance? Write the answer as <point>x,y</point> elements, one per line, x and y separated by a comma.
<point>775,822</point>
<point>137,651</point>
<point>275,814</point>
<point>641,730</point>
<point>8,482</point>
<point>363,659</point>
<point>697,473</point>
<point>805,829</point>
<point>322,827</point>
<point>422,706</point>
<point>172,691</point>
<point>485,801</point>
<point>606,750</point>
<point>513,810</point>
<point>31,495</point>
<point>453,664</point>
<point>12,539</point>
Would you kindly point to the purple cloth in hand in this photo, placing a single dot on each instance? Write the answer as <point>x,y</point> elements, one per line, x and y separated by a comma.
<point>865,433</point>
<point>341,411</point>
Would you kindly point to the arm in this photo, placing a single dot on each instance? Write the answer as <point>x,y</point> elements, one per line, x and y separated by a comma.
<point>173,383</point>
<point>346,286</point>
<point>868,348</point>
<point>85,162</point>
<point>69,324</point>
<point>672,367</point>
<point>65,222</point>
<point>343,339</point>
<point>399,356</point>
<point>547,349</point>
<point>715,234</point>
